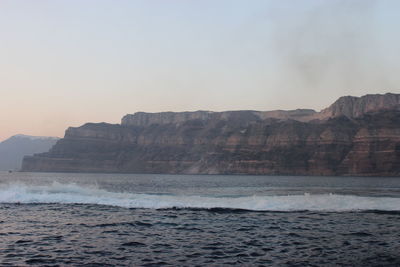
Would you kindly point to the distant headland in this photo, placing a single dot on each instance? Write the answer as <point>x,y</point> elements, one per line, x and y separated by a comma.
<point>353,136</point>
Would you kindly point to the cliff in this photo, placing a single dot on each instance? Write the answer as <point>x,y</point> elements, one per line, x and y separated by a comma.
<point>354,136</point>
<point>354,107</point>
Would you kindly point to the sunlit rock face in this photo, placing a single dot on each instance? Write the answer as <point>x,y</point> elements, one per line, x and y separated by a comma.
<point>354,136</point>
<point>354,107</point>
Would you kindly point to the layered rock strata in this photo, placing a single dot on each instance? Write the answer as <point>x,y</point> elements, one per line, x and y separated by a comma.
<point>351,137</point>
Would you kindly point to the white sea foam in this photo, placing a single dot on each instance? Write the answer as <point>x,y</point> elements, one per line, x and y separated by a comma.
<point>73,193</point>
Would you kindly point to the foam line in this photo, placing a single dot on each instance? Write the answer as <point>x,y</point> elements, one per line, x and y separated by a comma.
<point>73,193</point>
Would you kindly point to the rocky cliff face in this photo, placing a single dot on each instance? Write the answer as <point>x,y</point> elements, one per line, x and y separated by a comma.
<point>354,107</point>
<point>146,119</point>
<point>348,106</point>
<point>363,139</point>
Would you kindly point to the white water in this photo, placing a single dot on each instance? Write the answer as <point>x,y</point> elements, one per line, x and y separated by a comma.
<point>73,193</point>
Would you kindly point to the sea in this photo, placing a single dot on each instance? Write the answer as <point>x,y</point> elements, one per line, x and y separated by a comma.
<point>74,219</point>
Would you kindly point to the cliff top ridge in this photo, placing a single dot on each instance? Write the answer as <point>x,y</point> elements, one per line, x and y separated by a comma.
<point>349,106</point>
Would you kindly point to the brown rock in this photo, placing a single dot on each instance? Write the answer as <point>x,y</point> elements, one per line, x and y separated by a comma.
<point>354,136</point>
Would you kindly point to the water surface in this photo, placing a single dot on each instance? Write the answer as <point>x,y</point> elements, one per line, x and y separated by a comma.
<point>186,220</point>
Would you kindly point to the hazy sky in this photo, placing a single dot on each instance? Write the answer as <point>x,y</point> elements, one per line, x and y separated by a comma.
<point>64,63</point>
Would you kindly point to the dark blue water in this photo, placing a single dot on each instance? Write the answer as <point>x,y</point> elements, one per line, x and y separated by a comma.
<point>156,220</point>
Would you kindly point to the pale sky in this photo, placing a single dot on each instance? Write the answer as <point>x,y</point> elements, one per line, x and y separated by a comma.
<point>64,62</point>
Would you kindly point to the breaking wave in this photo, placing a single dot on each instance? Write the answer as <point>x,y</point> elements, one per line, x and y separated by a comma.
<point>76,194</point>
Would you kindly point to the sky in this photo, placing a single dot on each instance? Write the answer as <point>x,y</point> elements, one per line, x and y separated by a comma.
<point>67,62</point>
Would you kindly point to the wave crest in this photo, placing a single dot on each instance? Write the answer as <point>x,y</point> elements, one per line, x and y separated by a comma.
<point>77,194</point>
